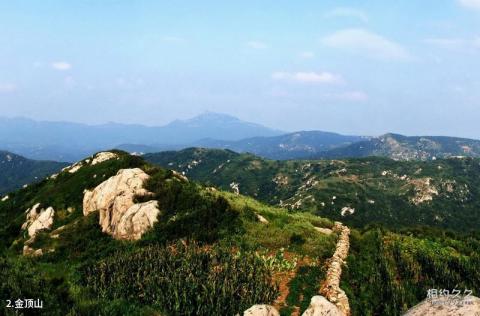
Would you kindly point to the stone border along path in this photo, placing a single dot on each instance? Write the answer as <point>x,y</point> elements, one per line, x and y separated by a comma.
<point>332,299</point>
<point>331,286</point>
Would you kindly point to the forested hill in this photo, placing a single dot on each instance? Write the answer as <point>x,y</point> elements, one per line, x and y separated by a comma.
<point>16,171</point>
<point>401,147</point>
<point>442,193</point>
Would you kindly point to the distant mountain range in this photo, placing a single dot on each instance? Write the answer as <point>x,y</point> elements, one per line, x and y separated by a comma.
<point>63,141</point>
<point>323,145</point>
<point>298,145</point>
<point>66,141</point>
<point>289,146</point>
<point>16,171</point>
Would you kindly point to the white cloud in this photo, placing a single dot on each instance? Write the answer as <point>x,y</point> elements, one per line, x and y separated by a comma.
<point>347,13</point>
<point>306,55</point>
<point>257,45</point>
<point>366,43</point>
<point>308,77</point>
<point>7,87</point>
<point>471,4</point>
<point>61,65</point>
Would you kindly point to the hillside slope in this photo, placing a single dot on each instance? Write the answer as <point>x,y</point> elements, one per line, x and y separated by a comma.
<point>201,231</point>
<point>442,193</point>
<point>16,171</point>
<point>115,235</point>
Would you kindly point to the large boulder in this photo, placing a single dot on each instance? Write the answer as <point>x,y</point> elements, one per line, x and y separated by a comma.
<point>115,200</point>
<point>38,219</point>
<point>261,310</point>
<point>447,306</point>
<point>320,306</point>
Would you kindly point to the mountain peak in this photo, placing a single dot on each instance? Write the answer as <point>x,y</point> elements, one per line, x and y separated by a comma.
<point>213,116</point>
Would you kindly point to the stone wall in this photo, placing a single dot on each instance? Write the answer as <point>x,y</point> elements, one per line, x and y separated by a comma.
<point>330,288</point>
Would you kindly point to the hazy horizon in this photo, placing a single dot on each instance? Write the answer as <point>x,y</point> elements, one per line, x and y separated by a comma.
<point>360,69</point>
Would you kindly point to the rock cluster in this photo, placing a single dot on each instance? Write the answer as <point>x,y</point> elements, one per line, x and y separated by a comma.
<point>96,159</point>
<point>37,220</point>
<point>424,190</point>
<point>114,198</point>
<point>331,287</point>
<point>445,306</point>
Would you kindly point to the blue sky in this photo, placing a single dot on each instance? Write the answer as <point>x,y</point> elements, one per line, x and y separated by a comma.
<point>360,67</point>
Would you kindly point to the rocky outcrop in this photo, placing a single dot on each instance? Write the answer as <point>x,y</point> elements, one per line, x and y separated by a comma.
<point>115,200</point>
<point>235,188</point>
<point>103,156</point>
<point>5,198</point>
<point>424,190</point>
<point>320,306</point>
<point>445,306</point>
<point>261,219</point>
<point>96,159</point>
<point>137,220</point>
<point>38,220</point>
<point>28,251</point>
<point>330,289</point>
<point>179,176</point>
<point>261,310</point>
<point>326,231</point>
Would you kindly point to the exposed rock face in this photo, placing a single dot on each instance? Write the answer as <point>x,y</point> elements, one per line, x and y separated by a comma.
<point>180,176</point>
<point>347,210</point>
<point>28,251</point>
<point>331,287</point>
<point>38,219</point>
<point>103,156</point>
<point>320,306</point>
<point>261,310</point>
<point>262,219</point>
<point>114,199</point>
<point>443,306</point>
<point>235,188</point>
<point>98,158</point>
<point>138,219</point>
<point>326,231</point>
<point>424,190</point>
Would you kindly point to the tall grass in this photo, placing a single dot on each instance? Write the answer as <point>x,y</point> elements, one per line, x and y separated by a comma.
<point>182,279</point>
